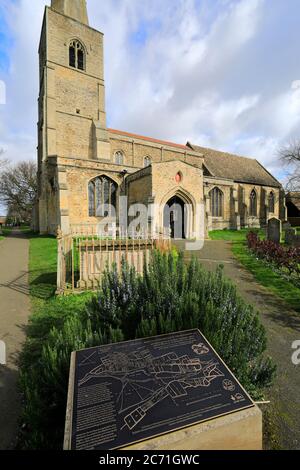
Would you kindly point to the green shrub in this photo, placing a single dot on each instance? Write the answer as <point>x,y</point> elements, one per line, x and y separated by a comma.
<point>173,296</point>
<point>170,296</point>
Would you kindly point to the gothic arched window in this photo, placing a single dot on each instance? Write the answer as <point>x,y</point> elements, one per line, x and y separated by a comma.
<point>147,162</point>
<point>76,55</point>
<point>119,158</point>
<point>102,197</point>
<point>216,202</point>
<point>253,203</point>
<point>272,202</point>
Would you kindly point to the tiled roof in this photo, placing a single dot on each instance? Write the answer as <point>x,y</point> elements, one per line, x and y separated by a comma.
<point>236,168</point>
<point>149,139</point>
<point>219,164</point>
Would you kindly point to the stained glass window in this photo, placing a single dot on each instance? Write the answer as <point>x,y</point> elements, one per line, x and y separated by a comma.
<point>216,202</point>
<point>271,202</point>
<point>102,197</point>
<point>253,203</point>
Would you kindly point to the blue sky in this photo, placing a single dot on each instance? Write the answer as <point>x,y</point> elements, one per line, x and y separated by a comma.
<point>219,73</point>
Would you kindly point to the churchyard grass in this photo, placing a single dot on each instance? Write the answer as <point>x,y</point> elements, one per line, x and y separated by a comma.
<point>5,232</point>
<point>264,274</point>
<point>42,280</point>
<point>48,311</point>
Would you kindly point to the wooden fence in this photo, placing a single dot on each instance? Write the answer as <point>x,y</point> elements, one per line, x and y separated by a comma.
<point>83,259</point>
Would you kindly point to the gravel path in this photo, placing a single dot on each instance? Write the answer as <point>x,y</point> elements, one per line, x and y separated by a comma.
<point>14,312</point>
<point>283,328</point>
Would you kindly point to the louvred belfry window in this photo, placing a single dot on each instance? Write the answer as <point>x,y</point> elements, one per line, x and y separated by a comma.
<point>77,55</point>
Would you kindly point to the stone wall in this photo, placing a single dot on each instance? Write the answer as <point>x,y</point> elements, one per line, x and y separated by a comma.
<point>139,188</point>
<point>189,189</point>
<point>236,203</point>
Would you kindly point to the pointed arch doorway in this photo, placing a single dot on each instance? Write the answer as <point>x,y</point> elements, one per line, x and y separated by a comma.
<point>176,218</point>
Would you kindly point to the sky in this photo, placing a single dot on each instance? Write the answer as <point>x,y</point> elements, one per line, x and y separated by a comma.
<point>218,73</point>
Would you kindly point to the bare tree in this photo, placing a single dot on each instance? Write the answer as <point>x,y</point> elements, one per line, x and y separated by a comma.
<point>3,161</point>
<point>18,187</point>
<point>290,156</point>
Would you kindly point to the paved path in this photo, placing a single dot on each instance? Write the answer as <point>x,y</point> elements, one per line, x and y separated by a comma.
<point>283,328</point>
<point>14,311</point>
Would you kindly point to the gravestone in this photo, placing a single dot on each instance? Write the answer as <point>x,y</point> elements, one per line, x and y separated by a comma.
<point>155,391</point>
<point>274,230</point>
<point>290,235</point>
<point>286,225</point>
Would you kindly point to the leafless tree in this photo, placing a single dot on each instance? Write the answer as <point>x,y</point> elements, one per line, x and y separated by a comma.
<point>290,157</point>
<point>18,187</point>
<point>3,161</point>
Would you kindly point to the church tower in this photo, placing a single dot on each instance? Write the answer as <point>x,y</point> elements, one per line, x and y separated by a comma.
<point>72,118</point>
<point>74,8</point>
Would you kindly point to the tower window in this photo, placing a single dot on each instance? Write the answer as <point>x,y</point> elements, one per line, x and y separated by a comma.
<point>72,56</point>
<point>77,55</point>
<point>216,202</point>
<point>253,203</point>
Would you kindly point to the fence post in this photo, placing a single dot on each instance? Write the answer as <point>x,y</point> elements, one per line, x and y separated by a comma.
<point>73,263</point>
<point>60,262</point>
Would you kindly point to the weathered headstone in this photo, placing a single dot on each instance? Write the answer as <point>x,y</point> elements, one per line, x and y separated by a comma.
<point>274,230</point>
<point>157,390</point>
<point>286,225</point>
<point>290,236</point>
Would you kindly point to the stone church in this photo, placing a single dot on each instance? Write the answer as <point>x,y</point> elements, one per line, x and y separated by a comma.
<point>83,164</point>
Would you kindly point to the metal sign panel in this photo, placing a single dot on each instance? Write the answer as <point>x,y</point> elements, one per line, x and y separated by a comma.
<point>128,392</point>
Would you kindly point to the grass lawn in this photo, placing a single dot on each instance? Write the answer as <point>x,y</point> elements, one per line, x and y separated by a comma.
<point>42,278</point>
<point>48,311</point>
<point>5,233</point>
<point>7,230</point>
<point>261,272</point>
<point>236,236</point>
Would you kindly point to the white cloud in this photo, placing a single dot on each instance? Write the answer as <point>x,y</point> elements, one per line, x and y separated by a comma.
<point>2,92</point>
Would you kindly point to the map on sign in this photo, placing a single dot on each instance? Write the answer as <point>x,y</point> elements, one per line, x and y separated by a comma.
<point>128,392</point>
